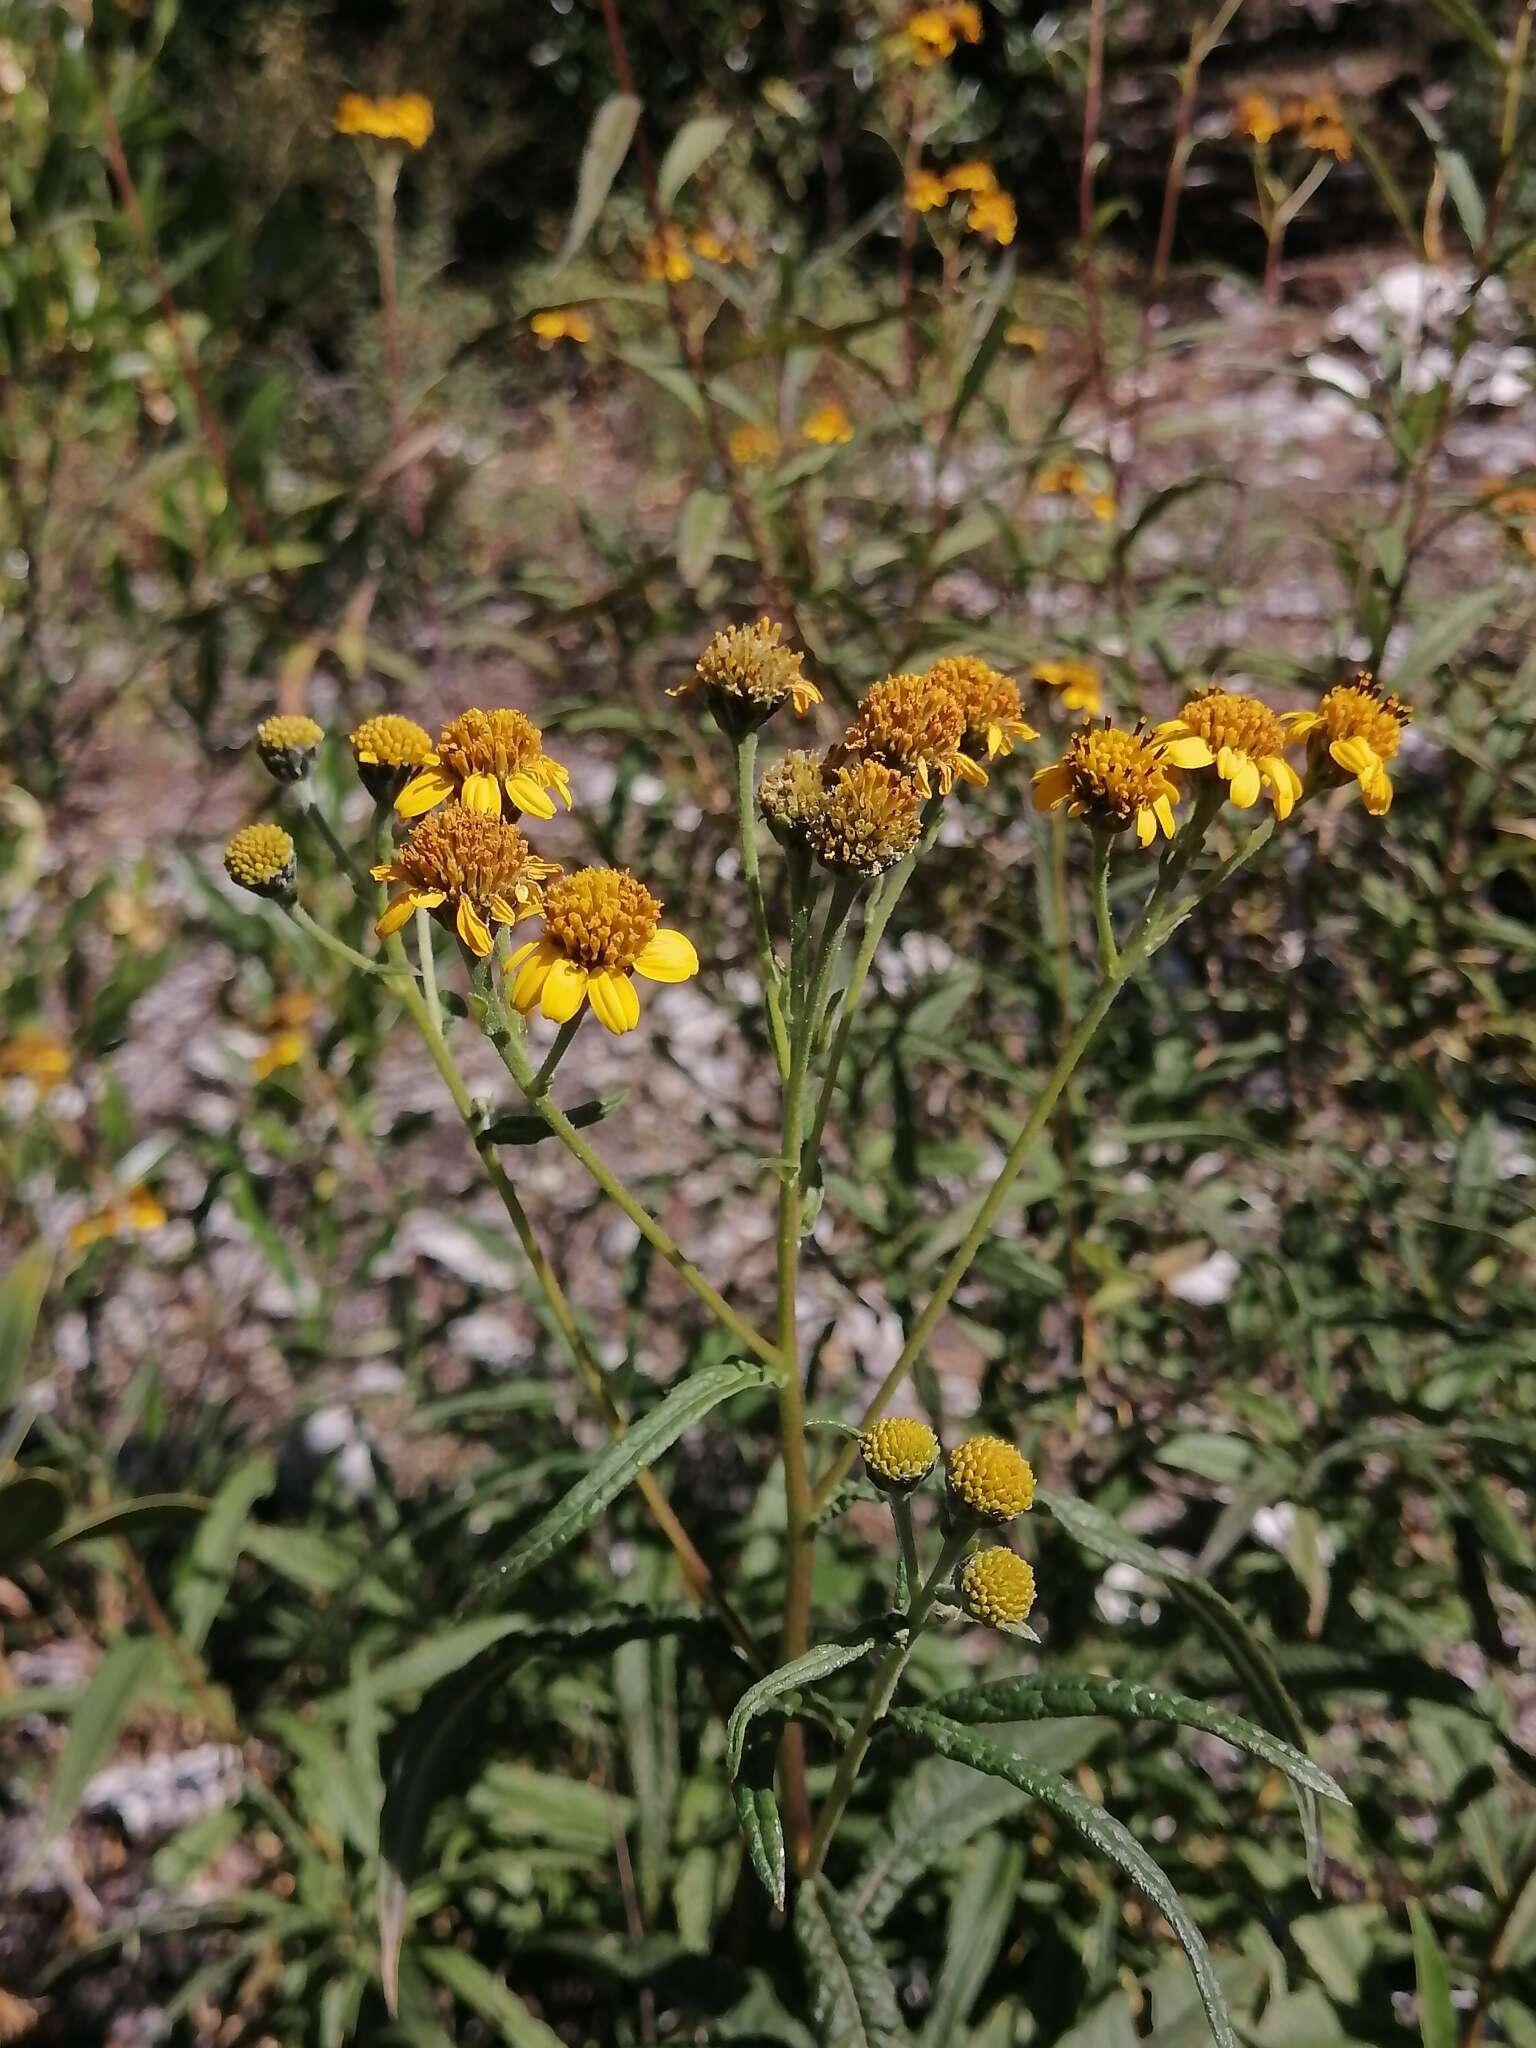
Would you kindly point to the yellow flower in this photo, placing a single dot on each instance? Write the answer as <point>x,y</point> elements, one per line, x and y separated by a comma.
<point>561,323</point>
<point>666,256</point>
<point>1066,477</point>
<point>283,1049</point>
<point>138,1210</point>
<point>916,727</point>
<point>997,1586</point>
<point>287,746</point>
<point>866,820</point>
<point>388,751</point>
<point>975,175</point>
<point>1320,125</point>
<point>993,214</point>
<point>1354,732</point>
<point>899,1453</point>
<point>828,425</point>
<point>711,247</point>
<point>746,673</point>
<point>1020,334</point>
<point>36,1055</point>
<point>751,444</point>
<point>1114,779</point>
<point>601,928</point>
<point>933,32</point>
<point>1078,682</point>
<point>989,700</point>
<point>1239,739</point>
<point>407,118</point>
<point>483,757</point>
<point>261,858</point>
<point>474,863</point>
<point>1102,504</point>
<point>925,191</point>
<point>989,1480</point>
<point>1257,117</point>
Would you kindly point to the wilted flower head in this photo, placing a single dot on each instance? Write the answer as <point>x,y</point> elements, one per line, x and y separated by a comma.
<point>789,792</point>
<point>474,865</point>
<point>407,118</point>
<point>261,858</point>
<point>746,673</point>
<point>867,820</point>
<point>898,1453</point>
<point>601,928</point>
<point>288,745</point>
<point>1239,739</point>
<point>1114,779</point>
<point>989,1481</point>
<point>989,702</point>
<point>1078,682</point>
<point>389,749</point>
<point>561,323</point>
<point>915,726</point>
<point>996,1586</point>
<point>1354,732</point>
<point>482,757</point>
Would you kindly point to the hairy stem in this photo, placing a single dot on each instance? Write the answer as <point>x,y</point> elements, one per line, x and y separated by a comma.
<point>746,819</point>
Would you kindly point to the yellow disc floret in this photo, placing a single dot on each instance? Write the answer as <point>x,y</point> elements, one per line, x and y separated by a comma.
<point>746,673</point>
<point>990,1480</point>
<point>476,866</point>
<point>1354,732</point>
<point>288,745</point>
<point>261,858</point>
<point>1240,740</point>
<point>914,725</point>
<point>867,820</point>
<point>487,760</point>
<point>997,1586</point>
<point>1114,779</point>
<point>601,928</point>
<point>989,702</point>
<point>899,1453</point>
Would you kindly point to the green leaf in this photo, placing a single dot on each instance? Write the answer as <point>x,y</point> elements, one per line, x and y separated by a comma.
<point>641,1445</point>
<point>104,1706</point>
<point>1100,1830</point>
<point>691,147</point>
<point>1251,1660</point>
<point>126,1517</point>
<point>1031,1699</point>
<point>982,358</point>
<point>700,527</point>
<point>816,1664</point>
<point>32,1505</point>
<point>608,140</point>
<point>854,2004</point>
<point>489,1999</point>
<point>762,1829</point>
<point>1465,19</point>
<point>530,1128</point>
<point>203,1584</point>
<point>983,1905</point>
<point>1440,638</point>
<point>939,1807</point>
<point>1437,2015</point>
<point>21,1300</point>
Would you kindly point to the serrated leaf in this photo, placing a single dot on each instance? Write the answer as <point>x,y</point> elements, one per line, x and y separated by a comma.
<point>21,1300</point>
<point>983,1905</point>
<point>489,1999</point>
<point>854,2004</point>
<point>32,1505</point>
<point>690,148</point>
<point>1437,2014</point>
<point>608,139</point>
<point>639,1448</point>
<point>816,1664</point>
<point>1100,1830</point>
<point>1030,1699</point>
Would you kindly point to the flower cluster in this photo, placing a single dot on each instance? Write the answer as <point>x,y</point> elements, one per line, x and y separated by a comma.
<point>933,34</point>
<point>1316,123</point>
<point>1065,477</point>
<point>989,210</point>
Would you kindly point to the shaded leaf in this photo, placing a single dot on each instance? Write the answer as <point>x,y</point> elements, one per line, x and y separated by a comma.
<point>816,1664</point>
<point>118,1679</point>
<point>691,147</point>
<point>32,1505</point>
<point>126,1517</point>
<point>488,1998</point>
<point>608,140</point>
<point>854,2004</point>
<point>1437,2015</point>
<point>978,1924</point>
<point>21,1300</point>
<point>204,1581</point>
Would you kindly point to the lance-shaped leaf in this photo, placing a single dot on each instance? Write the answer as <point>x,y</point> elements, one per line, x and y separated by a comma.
<point>939,1807</point>
<point>691,147</point>
<point>979,1916</point>
<point>640,1446</point>
<point>21,1300</point>
<point>608,140</point>
<point>1253,1663</point>
<point>789,1678</point>
<point>854,2002</point>
<point>1048,1699</point>
<point>758,1817</point>
<point>1100,1830</point>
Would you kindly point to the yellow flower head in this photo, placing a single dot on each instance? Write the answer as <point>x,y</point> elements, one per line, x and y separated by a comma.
<point>406,118</point>
<point>915,726</point>
<point>789,792</point>
<point>288,746</point>
<point>867,820</point>
<point>1257,117</point>
<point>829,425</point>
<point>746,673</point>
<point>388,751</point>
<point>925,191</point>
<point>561,323</point>
<point>1078,682</point>
<point>996,1586</point>
<point>666,257</point>
<point>1319,123</point>
<point>899,1453</point>
<point>482,757</point>
<point>750,444</point>
<point>975,176</point>
<point>138,1210</point>
<point>1239,739</point>
<point>933,32</point>
<point>474,864</point>
<point>989,700</point>
<point>1354,732</point>
<point>261,858</point>
<point>994,215</point>
<point>1022,334</point>
<point>285,1048</point>
<point>601,928</point>
<point>1114,779</point>
<point>989,1480</point>
<point>35,1055</point>
<point>712,247</point>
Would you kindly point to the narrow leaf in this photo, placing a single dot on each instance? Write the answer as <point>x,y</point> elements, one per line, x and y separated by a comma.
<point>21,1300</point>
<point>489,1999</point>
<point>939,1807</point>
<point>1437,2015</point>
<point>93,1729</point>
<point>691,147</point>
<point>978,1924</point>
<point>32,1505</point>
<point>1100,1830</point>
<point>531,1129</point>
<point>204,1581</point>
<point>802,1671</point>
<point>854,2005</point>
<point>608,140</point>
<point>762,1831</point>
<point>700,527</point>
<point>982,359</point>
<point>126,1517</point>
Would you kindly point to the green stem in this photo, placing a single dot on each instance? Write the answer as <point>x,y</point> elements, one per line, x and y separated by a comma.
<point>428,968</point>
<point>746,819</point>
<point>887,1678</point>
<point>556,1053</point>
<point>309,807</point>
<point>342,950</point>
<point>906,1535</point>
<point>1109,952</point>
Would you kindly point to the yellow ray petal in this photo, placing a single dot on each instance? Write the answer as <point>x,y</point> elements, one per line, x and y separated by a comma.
<point>1246,782</point>
<point>1284,784</point>
<point>537,958</point>
<point>1299,723</point>
<point>1162,810</point>
<point>424,792</point>
<point>528,796</point>
<point>1357,755</point>
<point>472,928</point>
<point>1146,826</point>
<point>970,771</point>
<point>1188,752</point>
<point>1376,788</point>
<point>614,1002</point>
<point>481,793</point>
<point>565,990</point>
<point>670,956</point>
<point>1051,786</point>
<point>397,914</point>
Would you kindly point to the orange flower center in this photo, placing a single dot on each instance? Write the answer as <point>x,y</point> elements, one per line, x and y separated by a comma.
<point>1360,711</point>
<point>601,918</point>
<point>1223,718</point>
<point>1115,774</point>
<point>499,743</point>
<point>471,853</point>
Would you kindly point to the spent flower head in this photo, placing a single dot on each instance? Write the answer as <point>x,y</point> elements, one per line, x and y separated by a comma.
<point>287,745</point>
<point>1240,740</point>
<point>996,1586</point>
<point>989,702</point>
<point>483,757</point>
<point>898,1452</point>
<point>789,792</point>
<point>406,118</point>
<point>867,819</point>
<point>1355,730</point>
<point>601,928</point>
<point>1116,779</point>
<point>389,749</point>
<point>470,868</point>
<point>746,673</point>
<point>914,725</point>
<point>990,1480</point>
<point>262,858</point>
